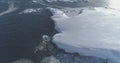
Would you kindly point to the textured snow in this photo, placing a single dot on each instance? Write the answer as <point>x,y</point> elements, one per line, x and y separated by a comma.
<point>95,32</point>
<point>50,59</point>
<point>72,11</point>
<point>30,10</point>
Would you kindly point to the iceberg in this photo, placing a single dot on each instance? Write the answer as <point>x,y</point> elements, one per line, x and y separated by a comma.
<point>94,32</point>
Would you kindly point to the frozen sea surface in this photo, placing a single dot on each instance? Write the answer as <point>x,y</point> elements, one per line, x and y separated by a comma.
<point>22,23</point>
<point>95,32</point>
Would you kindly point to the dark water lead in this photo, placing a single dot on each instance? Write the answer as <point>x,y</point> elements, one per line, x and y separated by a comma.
<point>21,33</point>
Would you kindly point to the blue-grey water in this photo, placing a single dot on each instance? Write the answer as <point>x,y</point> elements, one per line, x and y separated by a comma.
<point>21,33</point>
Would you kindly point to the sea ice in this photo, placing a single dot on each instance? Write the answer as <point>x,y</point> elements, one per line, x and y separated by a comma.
<point>10,9</point>
<point>31,10</point>
<point>94,32</point>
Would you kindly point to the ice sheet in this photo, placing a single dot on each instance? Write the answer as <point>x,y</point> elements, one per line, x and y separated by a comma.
<point>95,32</point>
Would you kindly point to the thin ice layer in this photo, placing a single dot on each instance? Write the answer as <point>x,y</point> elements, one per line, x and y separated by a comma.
<point>95,32</point>
<point>11,8</point>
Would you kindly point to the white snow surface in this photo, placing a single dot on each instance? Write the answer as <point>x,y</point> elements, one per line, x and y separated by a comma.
<point>94,32</point>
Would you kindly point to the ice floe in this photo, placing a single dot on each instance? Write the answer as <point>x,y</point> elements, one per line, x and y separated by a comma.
<point>30,10</point>
<point>94,32</point>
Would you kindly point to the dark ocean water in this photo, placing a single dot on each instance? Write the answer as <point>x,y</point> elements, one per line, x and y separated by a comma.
<point>19,34</point>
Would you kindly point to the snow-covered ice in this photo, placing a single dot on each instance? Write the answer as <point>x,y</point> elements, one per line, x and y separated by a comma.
<point>95,32</point>
<point>114,4</point>
<point>50,59</point>
<point>71,11</point>
<point>30,10</point>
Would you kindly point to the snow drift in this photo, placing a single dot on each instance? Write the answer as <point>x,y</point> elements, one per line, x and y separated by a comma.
<point>94,32</point>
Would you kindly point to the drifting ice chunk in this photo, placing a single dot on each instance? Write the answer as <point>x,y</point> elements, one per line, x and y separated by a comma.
<point>50,59</point>
<point>31,10</point>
